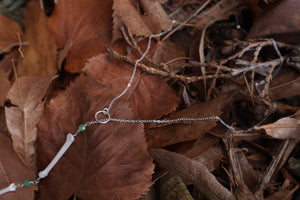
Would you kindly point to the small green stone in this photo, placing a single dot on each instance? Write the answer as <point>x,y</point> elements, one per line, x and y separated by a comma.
<point>82,127</point>
<point>26,183</point>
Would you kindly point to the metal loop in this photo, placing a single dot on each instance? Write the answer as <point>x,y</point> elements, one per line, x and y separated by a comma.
<point>104,112</point>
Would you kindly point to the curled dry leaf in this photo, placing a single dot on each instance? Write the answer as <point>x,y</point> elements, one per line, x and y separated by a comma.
<point>27,94</point>
<point>8,34</point>
<point>108,161</point>
<point>82,29</point>
<point>13,170</point>
<point>186,131</point>
<point>40,52</point>
<point>192,171</point>
<point>284,128</point>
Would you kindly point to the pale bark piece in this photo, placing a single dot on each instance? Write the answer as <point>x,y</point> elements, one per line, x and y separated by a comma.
<point>40,53</point>
<point>13,170</point>
<point>186,131</point>
<point>27,94</point>
<point>81,29</point>
<point>8,33</point>
<point>284,128</point>
<point>192,171</point>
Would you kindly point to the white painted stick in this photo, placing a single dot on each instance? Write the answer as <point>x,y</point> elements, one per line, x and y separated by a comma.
<point>70,139</point>
<point>12,187</point>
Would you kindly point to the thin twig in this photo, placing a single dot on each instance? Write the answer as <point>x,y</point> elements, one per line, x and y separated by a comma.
<point>272,168</point>
<point>152,70</point>
<point>187,20</point>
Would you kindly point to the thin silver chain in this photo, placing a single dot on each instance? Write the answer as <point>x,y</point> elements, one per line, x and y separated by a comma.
<point>108,118</point>
<point>135,67</point>
<point>106,111</point>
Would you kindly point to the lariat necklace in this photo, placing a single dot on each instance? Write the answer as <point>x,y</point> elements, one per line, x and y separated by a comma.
<point>106,112</point>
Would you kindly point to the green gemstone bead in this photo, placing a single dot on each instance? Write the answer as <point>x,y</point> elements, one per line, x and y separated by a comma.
<point>26,183</point>
<point>82,127</point>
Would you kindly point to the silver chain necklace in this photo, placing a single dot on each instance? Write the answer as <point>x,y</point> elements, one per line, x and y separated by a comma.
<point>106,112</point>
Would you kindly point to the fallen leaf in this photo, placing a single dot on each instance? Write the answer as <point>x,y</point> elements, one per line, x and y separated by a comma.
<point>169,51</point>
<point>13,170</point>
<point>82,28</point>
<point>221,10</point>
<point>8,34</point>
<point>27,94</point>
<point>186,131</point>
<point>6,64</point>
<point>202,144</point>
<point>211,158</point>
<point>277,24</point>
<point>40,54</point>
<point>149,96</point>
<point>157,12</point>
<point>284,128</point>
<point>286,84</point>
<point>285,191</point>
<point>4,86</point>
<point>108,161</point>
<point>192,171</point>
<point>125,13</point>
<point>3,126</point>
<point>250,176</point>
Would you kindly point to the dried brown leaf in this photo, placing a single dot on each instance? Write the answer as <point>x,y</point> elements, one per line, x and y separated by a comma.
<point>8,33</point>
<point>125,13</point>
<point>186,131</point>
<point>27,94</point>
<point>156,11</point>
<point>4,86</point>
<point>286,84</point>
<point>167,51</point>
<point>250,176</point>
<point>284,128</point>
<point>108,161</point>
<point>13,170</point>
<point>211,158</point>
<point>149,96</point>
<point>40,54</point>
<point>82,29</point>
<point>277,24</point>
<point>192,171</point>
<point>201,145</point>
<point>221,10</point>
